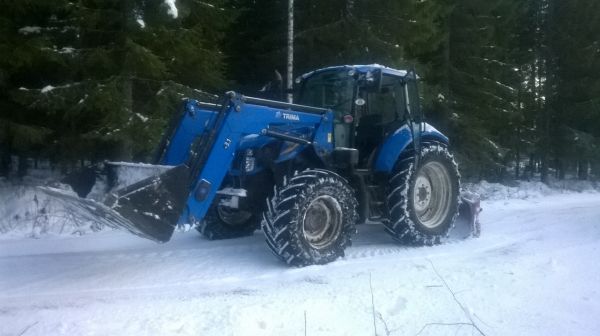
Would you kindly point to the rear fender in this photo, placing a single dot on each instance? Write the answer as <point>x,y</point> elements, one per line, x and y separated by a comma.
<point>395,144</point>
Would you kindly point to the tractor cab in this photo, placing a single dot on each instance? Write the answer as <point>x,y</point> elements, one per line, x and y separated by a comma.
<point>369,102</point>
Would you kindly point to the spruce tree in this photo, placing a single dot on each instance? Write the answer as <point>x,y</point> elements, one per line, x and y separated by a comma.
<point>99,79</point>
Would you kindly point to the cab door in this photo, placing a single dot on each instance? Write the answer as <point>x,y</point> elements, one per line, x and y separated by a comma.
<point>413,109</point>
<point>381,114</point>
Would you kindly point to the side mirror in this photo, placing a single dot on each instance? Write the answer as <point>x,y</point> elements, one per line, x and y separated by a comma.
<point>371,81</point>
<point>273,89</point>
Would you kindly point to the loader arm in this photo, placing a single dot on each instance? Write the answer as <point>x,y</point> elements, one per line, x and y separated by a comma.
<point>201,151</point>
<point>238,117</point>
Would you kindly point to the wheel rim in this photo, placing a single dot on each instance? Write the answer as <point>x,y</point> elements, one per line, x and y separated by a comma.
<point>322,222</point>
<point>233,217</point>
<point>432,194</point>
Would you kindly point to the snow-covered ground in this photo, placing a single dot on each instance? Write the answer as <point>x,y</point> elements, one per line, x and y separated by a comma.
<point>534,271</point>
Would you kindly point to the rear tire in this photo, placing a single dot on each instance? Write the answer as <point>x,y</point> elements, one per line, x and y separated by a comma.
<point>225,223</point>
<point>311,218</point>
<point>423,203</point>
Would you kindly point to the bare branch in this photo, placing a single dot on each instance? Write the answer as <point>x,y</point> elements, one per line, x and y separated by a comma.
<point>462,307</point>
<point>373,305</point>
<point>443,324</point>
<point>385,326</point>
<point>305,330</point>
<point>27,328</point>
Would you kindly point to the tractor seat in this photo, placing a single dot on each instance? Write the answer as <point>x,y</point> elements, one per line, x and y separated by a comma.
<point>369,135</point>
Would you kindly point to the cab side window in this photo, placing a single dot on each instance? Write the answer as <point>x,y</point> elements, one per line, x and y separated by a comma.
<point>388,102</point>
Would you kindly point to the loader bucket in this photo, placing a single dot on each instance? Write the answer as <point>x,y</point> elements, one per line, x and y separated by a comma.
<point>467,223</point>
<point>153,205</point>
<point>149,208</point>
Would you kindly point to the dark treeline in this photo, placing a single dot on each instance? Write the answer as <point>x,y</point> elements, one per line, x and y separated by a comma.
<point>515,84</point>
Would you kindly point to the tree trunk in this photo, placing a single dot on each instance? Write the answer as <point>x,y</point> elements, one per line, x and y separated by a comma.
<point>5,162</point>
<point>290,51</point>
<point>560,169</point>
<point>531,166</point>
<point>582,169</point>
<point>125,151</point>
<point>22,166</point>
<point>518,131</point>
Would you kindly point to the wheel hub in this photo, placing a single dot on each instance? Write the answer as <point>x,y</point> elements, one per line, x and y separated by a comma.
<point>322,221</point>
<point>422,193</point>
<point>233,217</point>
<point>432,194</point>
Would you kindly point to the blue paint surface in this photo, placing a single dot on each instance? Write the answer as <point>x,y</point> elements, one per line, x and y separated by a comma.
<point>398,141</point>
<point>244,127</point>
<point>241,129</point>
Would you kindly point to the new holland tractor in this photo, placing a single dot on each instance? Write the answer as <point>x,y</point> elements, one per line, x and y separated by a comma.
<point>353,150</point>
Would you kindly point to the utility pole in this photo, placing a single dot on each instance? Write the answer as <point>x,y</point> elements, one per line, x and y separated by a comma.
<point>290,51</point>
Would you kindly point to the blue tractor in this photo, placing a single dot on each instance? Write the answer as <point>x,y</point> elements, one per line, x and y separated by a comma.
<point>353,150</point>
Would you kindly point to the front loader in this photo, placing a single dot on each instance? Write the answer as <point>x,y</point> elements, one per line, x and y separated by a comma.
<point>354,150</point>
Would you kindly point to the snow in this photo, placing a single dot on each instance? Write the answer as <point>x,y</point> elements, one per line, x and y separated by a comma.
<point>140,20</point>
<point>66,50</point>
<point>525,190</point>
<point>361,68</point>
<point>26,212</point>
<point>532,272</point>
<point>172,8</point>
<point>505,86</point>
<point>47,88</point>
<point>207,4</point>
<point>142,117</point>
<point>30,30</point>
<point>128,173</point>
<point>150,214</point>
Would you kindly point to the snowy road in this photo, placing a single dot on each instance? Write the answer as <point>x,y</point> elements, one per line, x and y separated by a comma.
<point>534,271</point>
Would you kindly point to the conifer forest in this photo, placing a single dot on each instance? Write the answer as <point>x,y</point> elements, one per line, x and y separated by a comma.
<point>514,84</point>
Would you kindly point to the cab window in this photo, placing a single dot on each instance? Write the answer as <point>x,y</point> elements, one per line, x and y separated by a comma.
<point>387,103</point>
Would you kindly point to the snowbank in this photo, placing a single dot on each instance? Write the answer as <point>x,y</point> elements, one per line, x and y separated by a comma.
<point>533,272</point>
<point>26,211</point>
<point>527,190</point>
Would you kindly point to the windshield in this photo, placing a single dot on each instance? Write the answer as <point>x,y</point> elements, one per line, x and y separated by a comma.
<point>331,89</point>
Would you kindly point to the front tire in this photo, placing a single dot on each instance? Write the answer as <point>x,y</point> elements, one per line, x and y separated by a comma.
<point>423,202</point>
<point>222,222</point>
<point>311,218</point>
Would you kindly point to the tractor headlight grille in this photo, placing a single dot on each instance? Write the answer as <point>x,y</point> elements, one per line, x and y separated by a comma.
<point>249,160</point>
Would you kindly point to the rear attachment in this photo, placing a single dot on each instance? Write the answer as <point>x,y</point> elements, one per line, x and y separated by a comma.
<point>467,223</point>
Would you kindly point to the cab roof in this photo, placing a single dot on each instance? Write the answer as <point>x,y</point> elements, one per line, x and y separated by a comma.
<point>359,68</point>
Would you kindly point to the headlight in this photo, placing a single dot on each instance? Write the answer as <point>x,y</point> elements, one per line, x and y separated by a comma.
<point>249,160</point>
